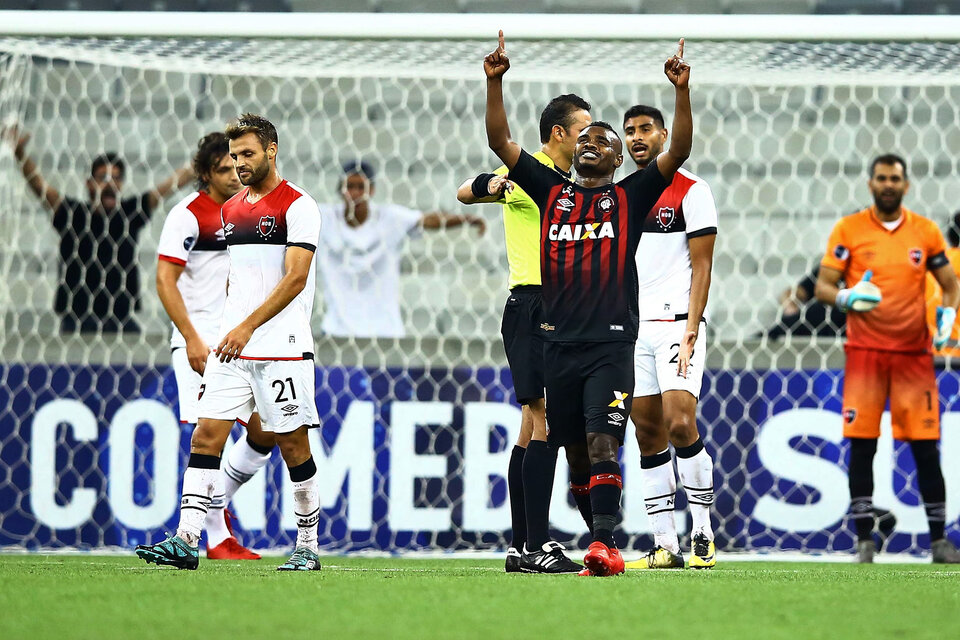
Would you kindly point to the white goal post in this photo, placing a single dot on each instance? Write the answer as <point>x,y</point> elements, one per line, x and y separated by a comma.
<point>789,111</point>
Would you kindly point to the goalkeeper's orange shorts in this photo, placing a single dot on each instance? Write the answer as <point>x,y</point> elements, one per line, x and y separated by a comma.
<point>908,379</point>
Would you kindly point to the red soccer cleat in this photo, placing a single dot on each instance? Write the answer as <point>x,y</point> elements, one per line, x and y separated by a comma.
<point>601,560</point>
<point>586,572</point>
<point>230,549</point>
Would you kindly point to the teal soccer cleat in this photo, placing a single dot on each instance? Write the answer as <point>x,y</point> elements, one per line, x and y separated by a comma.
<point>174,551</point>
<point>303,559</point>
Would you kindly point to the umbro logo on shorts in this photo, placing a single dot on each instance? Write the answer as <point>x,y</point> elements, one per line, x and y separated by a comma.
<point>290,409</point>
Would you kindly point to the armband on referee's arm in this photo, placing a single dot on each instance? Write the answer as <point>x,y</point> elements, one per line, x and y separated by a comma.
<point>481,185</point>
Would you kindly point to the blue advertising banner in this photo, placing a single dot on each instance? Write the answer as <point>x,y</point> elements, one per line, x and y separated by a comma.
<point>416,458</point>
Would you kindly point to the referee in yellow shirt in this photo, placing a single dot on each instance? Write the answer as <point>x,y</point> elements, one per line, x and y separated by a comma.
<point>532,462</point>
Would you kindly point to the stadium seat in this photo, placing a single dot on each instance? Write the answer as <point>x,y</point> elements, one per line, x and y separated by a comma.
<point>334,6</point>
<point>771,6</point>
<point>246,5</point>
<point>859,6</point>
<point>419,6</point>
<point>927,7</point>
<point>597,6</point>
<point>74,5</point>
<point>671,6</point>
<point>505,6</point>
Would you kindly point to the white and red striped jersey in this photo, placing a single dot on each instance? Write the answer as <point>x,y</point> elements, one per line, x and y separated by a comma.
<point>192,237</point>
<point>685,210</point>
<point>257,236</point>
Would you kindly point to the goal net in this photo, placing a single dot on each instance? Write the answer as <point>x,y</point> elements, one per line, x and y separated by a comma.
<point>417,430</point>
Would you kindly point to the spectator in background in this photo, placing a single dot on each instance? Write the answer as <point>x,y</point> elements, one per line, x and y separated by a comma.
<point>801,314</point>
<point>360,256</point>
<point>934,294</point>
<point>98,287</point>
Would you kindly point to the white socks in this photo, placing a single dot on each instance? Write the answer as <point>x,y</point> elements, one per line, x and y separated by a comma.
<point>659,495</point>
<point>306,503</point>
<point>198,487</point>
<point>696,474</point>
<point>242,463</point>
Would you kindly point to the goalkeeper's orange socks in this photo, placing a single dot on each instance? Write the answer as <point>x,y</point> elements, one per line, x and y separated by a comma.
<point>659,496</point>
<point>695,467</point>
<point>198,487</point>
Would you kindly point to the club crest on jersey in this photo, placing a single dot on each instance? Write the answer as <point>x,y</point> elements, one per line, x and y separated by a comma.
<point>916,257</point>
<point>577,232</point>
<point>605,204</point>
<point>188,243</point>
<point>849,415</point>
<point>665,217</point>
<point>266,226</point>
<point>840,252</point>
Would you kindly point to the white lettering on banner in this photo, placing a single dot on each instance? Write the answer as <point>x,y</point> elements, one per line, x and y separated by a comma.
<point>406,465</point>
<point>479,421</point>
<point>783,461</point>
<point>166,452</point>
<point>352,459</point>
<point>43,467</point>
<point>351,456</point>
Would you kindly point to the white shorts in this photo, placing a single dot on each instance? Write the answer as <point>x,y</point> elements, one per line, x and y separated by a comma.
<point>655,359</point>
<point>282,391</point>
<point>188,388</point>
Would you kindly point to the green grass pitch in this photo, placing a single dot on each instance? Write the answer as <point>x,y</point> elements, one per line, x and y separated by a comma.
<point>102,597</point>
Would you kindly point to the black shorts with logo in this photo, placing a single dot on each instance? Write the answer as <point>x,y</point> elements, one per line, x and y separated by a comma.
<point>589,389</point>
<point>523,341</point>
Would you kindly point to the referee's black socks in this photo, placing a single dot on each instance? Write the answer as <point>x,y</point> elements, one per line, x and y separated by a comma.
<point>539,464</point>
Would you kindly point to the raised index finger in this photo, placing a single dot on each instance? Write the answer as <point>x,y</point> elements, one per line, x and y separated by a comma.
<point>679,49</point>
<point>501,47</point>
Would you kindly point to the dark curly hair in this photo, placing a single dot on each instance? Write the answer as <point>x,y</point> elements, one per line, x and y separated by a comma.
<point>210,150</point>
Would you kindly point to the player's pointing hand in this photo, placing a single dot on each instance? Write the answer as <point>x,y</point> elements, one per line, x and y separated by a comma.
<point>677,69</point>
<point>496,63</point>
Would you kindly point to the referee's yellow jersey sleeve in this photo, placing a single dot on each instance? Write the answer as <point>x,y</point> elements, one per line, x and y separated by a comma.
<point>521,227</point>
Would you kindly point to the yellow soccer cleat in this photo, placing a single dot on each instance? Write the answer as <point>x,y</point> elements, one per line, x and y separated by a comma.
<point>658,558</point>
<point>704,554</point>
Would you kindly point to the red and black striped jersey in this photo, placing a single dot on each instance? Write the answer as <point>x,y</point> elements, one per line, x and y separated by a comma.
<point>589,240</point>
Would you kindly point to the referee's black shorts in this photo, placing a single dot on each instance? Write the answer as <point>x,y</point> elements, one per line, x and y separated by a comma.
<point>523,341</point>
<point>589,389</point>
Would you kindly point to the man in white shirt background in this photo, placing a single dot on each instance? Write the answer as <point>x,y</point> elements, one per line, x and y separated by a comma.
<point>360,256</point>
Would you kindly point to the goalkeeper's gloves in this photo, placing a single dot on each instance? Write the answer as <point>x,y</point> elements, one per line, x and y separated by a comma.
<point>946,316</point>
<point>862,296</point>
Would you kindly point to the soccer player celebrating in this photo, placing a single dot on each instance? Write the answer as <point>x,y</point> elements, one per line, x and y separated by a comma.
<point>887,250</point>
<point>192,271</point>
<point>532,462</point>
<point>265,356</point>
<point>589,233</point>
<point>674,261</point>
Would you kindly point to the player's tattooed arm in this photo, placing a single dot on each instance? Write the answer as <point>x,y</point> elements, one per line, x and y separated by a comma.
<point>496,187</point>
<point>495,64</point>
<point>296,268</point>
<point>180,177</point>
<point>31,173</point>
<point>677,71</point>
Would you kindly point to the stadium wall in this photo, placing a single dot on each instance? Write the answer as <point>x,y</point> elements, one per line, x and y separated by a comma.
<point>413,458</point>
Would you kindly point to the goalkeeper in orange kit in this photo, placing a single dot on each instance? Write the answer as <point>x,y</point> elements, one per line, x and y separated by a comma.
<point>888,250</point>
